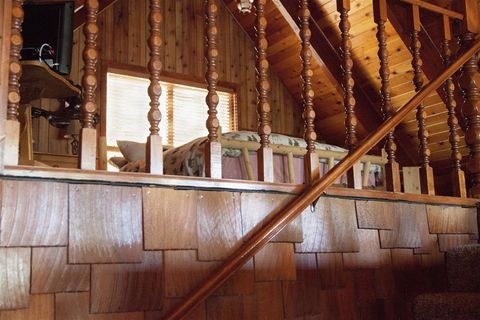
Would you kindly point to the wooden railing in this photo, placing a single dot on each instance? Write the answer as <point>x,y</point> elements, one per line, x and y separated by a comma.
<point>154,158</point>
<point>260,238</point>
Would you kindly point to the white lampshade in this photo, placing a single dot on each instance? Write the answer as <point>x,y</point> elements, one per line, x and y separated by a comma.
<point>245,6</point>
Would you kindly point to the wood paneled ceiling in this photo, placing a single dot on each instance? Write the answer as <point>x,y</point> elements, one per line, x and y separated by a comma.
<point>285,61</point>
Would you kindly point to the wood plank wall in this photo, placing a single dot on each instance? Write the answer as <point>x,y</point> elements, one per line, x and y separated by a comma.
<point>123,39</point>
<point>124,252</point>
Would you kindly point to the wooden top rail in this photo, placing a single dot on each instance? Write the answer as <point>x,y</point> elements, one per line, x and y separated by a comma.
<point>297,151</point>
<point>435,8</point>
<point>260,238</point>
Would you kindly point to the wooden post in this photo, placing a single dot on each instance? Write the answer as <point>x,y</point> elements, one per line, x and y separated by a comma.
<point>392,169</point>
<point>426,172</point>
<point>311,158</point>
<point>471,111</point>
<point>88,134</point>
<point>5,29</point>
<point>154,149</point>
<point>264,153</point>
<point>213,148</point>
<point>457,175</point>
<point>354,176</point>
<point>12,125</point>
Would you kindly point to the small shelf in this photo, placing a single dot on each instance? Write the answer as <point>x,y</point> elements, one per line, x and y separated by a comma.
<point>39,81</point>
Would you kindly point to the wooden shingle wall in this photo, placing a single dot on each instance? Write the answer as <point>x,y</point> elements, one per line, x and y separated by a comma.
<point>82,251</point>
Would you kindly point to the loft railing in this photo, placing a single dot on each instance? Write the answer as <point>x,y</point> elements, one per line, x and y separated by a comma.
<point>260,238</point>
<point>466,80</point>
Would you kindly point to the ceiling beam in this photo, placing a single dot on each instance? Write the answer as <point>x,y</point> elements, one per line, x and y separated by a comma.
<point>80,15</point>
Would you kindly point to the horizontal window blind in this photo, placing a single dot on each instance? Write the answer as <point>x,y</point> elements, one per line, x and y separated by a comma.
<point>184,111</point>
<point>128,104</point>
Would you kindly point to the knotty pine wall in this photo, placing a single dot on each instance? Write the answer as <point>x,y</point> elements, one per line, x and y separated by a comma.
<point>90,251</point>
<point>123,38</point>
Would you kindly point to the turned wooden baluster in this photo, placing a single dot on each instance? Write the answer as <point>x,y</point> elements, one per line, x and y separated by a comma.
<point>12,126</point>
<point>154,150</point>
<point>471,111</point>
<point>213,148</point>
<point>392,170</point>
<point>426,172</point>
<point>88,135</point>
<point>457,174</point>
<point>354,177</point>
<point>311,157</point>
<point>264,153</point>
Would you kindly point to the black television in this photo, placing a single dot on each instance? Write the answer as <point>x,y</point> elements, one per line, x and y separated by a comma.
<point>48,33</point>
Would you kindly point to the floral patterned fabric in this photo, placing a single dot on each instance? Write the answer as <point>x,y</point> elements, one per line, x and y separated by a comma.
<point>189,159</point>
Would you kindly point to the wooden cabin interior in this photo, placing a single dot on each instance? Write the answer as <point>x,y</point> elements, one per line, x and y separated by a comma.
<point>239,159</point>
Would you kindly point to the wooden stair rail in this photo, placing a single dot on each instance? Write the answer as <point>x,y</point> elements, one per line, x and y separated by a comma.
<point>311,192</point>
<point>264,153</point>
<point>12,125</point>
<point>88,134</point>
<point>154,149</point>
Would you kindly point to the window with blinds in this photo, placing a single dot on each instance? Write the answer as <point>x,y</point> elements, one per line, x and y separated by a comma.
<point>183,108</point>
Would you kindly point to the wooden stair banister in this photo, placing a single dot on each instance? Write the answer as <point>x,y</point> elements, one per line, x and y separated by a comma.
<point>260,238</point>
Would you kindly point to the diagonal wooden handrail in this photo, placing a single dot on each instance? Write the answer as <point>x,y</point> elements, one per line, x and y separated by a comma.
<point>308,196</point>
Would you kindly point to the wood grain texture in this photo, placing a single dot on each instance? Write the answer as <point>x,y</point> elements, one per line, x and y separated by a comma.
<point>75,306</point>
<point>405,232</point>
<point>448,219</point>
<point>241,282</point>
<point>14,277</point>
<point>41,307</point>
<point>276,261</point>
<point>370,254</point>
<point>51,273</point>
<point>375,214</point>
<point>168,222</point>
<point>331,272</point>
<point>33,213</point>
<point>450,241</point>
<point>128,287</point>
<point>268,300</point>
<point>183,272</point>
<point>331,227</point>
<point>199,313</point>
<point>228,307</point>
<point>105,224</point>
<point>219,226</point>
<point>258,207</point>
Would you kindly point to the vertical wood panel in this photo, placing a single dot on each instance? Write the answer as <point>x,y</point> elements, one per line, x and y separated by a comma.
<point>51,273</point>
<point>219,225</point>
<point>276,261</point>
<point>105,224</point>
<point>259,207</point>
<point>76,306</point>
<point>33,213</point>
<point>446,219</point>
<point>331,227</point>
<point>40,308</point>
<point>128,287</point>
<point>14,277</point>
<point>164,216</point>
